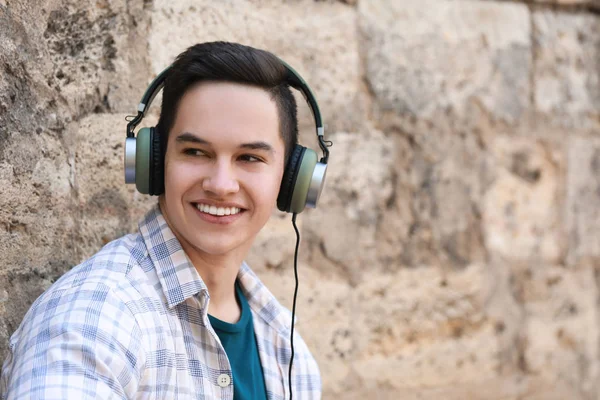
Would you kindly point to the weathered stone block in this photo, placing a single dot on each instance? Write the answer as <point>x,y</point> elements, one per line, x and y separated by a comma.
<point>318,39</point>
<point>566,68</point>
<point>503,388</point>
<point>36,200</point>
<point>90,45</point>
<point>583,197</point>
<point>521,206</point>
<point>37,232</point>
<point>571,3</point>
<point>535,388</point>
<point>427,57</point>
<point>359,184</point>
<point>442,185</point>
<point>56,62</point>
<point>396,333</point>
<point>107,208</point>
<point>561,327</point>
<point>425,328</point>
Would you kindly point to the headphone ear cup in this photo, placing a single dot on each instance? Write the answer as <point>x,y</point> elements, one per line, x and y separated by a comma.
<point>157,181</point>
<point>304,177</point>
<point>289,176</point>
<point>296,180</point>
<point>142,160</point>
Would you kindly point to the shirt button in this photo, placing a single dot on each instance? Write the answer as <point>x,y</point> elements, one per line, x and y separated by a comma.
<point>223,380</point>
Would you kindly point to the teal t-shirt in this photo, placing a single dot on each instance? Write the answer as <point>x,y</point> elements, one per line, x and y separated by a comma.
<point>240,345</point>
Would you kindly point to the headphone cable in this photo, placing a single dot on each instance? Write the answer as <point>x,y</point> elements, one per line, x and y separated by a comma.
<point>294,303</point>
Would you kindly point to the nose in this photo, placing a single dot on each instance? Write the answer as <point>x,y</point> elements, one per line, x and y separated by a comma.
<point>221,180</point>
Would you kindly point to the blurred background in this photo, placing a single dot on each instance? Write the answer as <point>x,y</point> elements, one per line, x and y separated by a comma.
<point>455,253</point>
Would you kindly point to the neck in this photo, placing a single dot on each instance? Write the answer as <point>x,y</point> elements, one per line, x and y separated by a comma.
<point>219,276</point>
<point>219,273</point>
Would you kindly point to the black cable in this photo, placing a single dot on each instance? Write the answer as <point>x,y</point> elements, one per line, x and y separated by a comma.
<point>295,294</point>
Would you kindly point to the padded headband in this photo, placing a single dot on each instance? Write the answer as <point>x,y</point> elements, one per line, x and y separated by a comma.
<point>293,79</point>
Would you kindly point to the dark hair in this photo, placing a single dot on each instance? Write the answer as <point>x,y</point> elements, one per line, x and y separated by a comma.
<point>230,62</point>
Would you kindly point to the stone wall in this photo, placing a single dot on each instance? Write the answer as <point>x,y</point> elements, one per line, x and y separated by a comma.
<point>455,252</point>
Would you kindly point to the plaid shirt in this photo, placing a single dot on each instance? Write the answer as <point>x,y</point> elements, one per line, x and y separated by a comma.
<point>131,323</point>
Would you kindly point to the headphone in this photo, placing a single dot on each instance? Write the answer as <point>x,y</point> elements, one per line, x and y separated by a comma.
<point>303,177</point>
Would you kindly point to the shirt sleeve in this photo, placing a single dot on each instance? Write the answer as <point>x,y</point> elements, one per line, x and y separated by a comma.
<point>81,342</point>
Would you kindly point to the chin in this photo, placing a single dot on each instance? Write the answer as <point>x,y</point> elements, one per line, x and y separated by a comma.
<point>216,250</point>
<point>216,247</point>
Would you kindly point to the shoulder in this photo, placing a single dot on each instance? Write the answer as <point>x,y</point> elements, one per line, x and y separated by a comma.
<point>101,285</point>
<point>116,267</point>
<point>83,314</point>
<point>114,262</point>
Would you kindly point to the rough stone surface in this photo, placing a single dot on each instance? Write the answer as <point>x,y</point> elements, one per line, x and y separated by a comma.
<point>408,329</point>
<point>561,327</point>
<point>365,176</point>
<point>522,201</point>
<point>567,78</point>
<point>425,327</point>
<point>438,187</point>
<point>56,63</point>
<point>424,57</point>
<point>572,4</point>
<point>108,208</point>
<point>454,252</point>
<point>583,195</point>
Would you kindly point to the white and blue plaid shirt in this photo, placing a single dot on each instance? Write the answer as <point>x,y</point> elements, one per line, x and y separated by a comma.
<point>131,323</point>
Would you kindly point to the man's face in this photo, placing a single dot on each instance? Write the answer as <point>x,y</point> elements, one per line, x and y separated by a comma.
<point>223,167</point>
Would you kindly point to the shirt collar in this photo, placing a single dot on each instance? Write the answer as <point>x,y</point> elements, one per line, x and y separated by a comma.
<point>262,301</point>
<point>180,280</point>
<point>178,277</point>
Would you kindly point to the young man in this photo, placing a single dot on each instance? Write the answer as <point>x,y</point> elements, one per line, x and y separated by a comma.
<point>172,311</point>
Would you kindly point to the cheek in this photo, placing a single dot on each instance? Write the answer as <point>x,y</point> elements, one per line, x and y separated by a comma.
<point>179,177</point>
<point>265,189</point>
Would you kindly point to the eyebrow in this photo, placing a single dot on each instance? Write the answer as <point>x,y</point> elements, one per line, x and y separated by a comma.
<point>187,137</point>
<point>258,146</point>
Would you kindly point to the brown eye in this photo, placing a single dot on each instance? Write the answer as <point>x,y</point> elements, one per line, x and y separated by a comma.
<point>250,158</point>
<point>193,152</point>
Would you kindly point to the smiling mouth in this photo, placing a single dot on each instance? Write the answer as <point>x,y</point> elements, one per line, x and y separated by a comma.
<point>218,211</point>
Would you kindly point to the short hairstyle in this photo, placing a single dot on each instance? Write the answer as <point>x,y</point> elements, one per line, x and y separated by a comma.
<point>230,62</point>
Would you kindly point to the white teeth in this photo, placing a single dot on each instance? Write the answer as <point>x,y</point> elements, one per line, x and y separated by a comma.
<point>220,211</point>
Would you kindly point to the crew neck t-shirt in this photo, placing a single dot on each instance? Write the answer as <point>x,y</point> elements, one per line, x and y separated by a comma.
<point>239,343</point>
